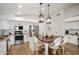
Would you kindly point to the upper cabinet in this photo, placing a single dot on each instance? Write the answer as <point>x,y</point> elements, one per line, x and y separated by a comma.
<point>72,19</point>
<point>72,23</point>
<point>72,13</point>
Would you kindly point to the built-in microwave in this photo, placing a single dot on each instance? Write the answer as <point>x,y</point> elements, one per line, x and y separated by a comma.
<point>18,28</point>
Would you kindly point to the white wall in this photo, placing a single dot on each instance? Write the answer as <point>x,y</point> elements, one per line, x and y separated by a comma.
<point>42,28</point>
<point>71,22</point>
<point>72,12</point>
<point>58,23</point>
<point>1,24</point>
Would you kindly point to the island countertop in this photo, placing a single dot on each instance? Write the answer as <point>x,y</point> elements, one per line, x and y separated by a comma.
<point>3,37</point>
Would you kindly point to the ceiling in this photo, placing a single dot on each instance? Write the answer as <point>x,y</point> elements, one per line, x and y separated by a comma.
<point>32,10</point>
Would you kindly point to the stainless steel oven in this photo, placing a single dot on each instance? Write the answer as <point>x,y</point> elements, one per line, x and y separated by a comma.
<point>18,35</point>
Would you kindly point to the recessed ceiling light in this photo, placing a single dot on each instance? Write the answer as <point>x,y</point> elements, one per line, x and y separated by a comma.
<point>42,8</point>
<point>20,6</point>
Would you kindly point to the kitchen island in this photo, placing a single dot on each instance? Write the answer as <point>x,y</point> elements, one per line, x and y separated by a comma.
<point>3,45</point>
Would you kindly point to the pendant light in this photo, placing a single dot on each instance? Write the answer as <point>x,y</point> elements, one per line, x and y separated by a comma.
<point>41,16</point>
<point>48,21</point>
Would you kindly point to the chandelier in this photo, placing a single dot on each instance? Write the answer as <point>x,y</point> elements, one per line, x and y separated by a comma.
<point>41,16</point>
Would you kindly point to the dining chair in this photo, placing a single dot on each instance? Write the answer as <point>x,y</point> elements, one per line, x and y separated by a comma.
<point>34,44</point>
<point>55,45</point>
<point>63,44</point>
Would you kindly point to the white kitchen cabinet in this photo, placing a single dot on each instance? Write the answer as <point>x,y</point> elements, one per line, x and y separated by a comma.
<point>11,40</point>
<point>3,47</point>
<point>72,39</point>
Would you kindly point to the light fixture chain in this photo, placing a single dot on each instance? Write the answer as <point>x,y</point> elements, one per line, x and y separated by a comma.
<point>41,7</point>
<point>48,11</point>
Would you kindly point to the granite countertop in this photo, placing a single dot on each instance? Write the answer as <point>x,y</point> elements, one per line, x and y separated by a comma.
<point>73,34</point>
<point>3,37</point>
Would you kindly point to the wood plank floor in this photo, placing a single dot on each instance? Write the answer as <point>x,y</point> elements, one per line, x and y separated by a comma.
<point>72,49</point>
<point>24,49</point>
<point>20,49</point>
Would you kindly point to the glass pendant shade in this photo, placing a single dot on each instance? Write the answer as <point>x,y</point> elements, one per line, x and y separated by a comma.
<point>48,21</point>
<point>41,16</point>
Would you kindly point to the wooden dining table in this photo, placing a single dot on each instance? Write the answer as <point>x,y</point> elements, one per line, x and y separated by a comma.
<point>48,40</point>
